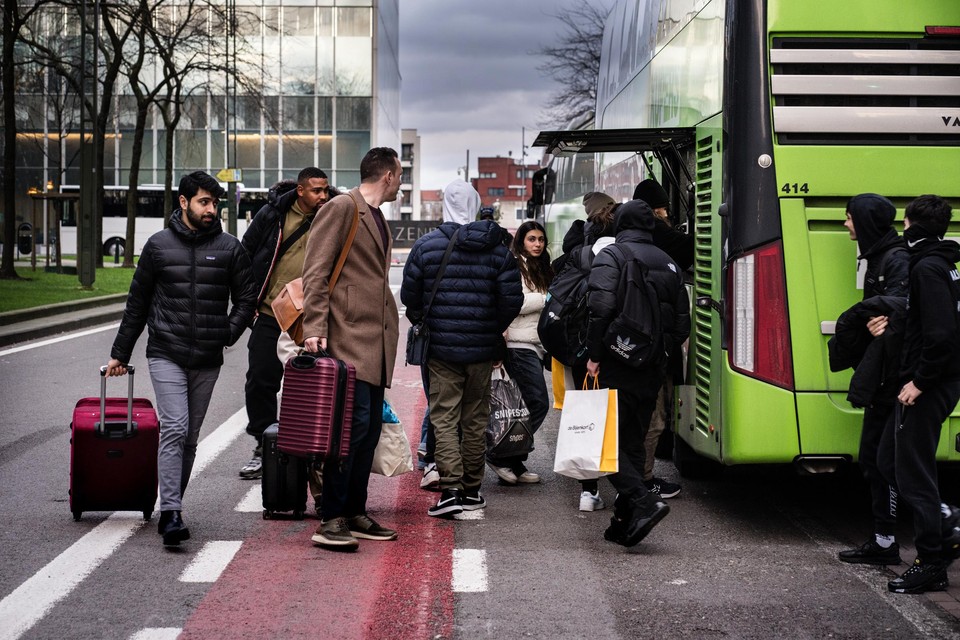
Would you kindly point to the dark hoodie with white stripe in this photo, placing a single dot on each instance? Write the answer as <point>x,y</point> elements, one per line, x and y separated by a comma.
<point>931,348</point>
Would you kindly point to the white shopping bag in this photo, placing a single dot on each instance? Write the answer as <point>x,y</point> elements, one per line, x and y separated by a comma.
<point>588,438</point>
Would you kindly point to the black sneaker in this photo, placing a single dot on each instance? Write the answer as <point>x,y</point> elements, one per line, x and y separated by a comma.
<point>449,504</point>
<point>614,533</point>
<point>645,514</point>
<point>365,527</point>
<point>473,501</point>
<point>921,577</point>
<point>172,528</point>
<point>665,488</point>
<point>871,553</point>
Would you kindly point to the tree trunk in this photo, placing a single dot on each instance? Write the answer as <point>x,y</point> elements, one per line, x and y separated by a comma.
<point>138,132</point>
<point>7,269</point>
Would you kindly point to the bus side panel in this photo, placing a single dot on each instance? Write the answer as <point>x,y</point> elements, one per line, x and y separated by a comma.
<point>821,268</point>
<point>759,421</point>
<point>949,447</point>
<point>899,173</point>
<point>701,400</point>
<point>828,424</point>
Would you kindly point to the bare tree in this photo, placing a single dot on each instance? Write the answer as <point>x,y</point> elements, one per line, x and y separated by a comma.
<point>191,66</point>
<point>15,19</point>
<point>574,61</point>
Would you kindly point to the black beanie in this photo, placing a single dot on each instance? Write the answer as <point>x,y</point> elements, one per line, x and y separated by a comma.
<point>652,193</point>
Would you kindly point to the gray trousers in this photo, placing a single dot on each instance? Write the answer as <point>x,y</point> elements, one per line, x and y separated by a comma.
<point>182,399</point>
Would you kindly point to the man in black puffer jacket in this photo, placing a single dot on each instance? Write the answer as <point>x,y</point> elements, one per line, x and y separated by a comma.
<point>636,509</point>
<point>186,278</point>
<point>276,241</point>
<point>930,373</point>
<point>477,298</point>
<point>870,223</point>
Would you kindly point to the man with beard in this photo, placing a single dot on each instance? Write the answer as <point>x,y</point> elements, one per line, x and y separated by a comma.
<point>276,242</point>
<point>187,276</point>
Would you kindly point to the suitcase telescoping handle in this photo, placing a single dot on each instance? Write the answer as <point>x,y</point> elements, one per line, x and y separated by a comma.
<point>102,428</point>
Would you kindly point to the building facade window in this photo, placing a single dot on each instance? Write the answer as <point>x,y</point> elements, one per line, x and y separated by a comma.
<point>495,191</point>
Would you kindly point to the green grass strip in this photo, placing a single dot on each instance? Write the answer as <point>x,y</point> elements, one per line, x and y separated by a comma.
<point>38,288</point>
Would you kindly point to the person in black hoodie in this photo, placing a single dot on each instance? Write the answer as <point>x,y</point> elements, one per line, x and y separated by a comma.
<point>930,372</point>
<point>275,241</point>
<point>187,276</point>
<point>679,246</point>
<point>870,223</point>
<point>636,509</point>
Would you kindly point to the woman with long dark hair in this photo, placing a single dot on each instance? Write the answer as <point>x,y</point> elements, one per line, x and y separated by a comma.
<point>525,354</point>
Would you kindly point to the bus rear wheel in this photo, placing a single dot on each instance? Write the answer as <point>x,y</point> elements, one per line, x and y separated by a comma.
<point>691,464</point>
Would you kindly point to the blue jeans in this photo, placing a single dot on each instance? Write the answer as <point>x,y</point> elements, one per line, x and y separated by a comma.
<point>526,368</point>
<point>428,442</point>
<point>345,485</point>
<point>183,396</point>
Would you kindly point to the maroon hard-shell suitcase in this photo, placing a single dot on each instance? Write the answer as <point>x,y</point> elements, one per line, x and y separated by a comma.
<point>113,459</point>
<point>316,407</point>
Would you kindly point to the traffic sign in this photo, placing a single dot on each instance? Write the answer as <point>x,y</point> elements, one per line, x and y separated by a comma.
<point>230,175</point>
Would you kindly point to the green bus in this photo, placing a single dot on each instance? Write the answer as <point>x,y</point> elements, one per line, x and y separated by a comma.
<point>762,118</point>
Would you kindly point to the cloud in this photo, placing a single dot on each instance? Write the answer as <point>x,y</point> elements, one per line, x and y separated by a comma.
<point>470,79</point>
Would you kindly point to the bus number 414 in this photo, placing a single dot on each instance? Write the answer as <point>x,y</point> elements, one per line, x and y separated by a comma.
<point>795,188</point>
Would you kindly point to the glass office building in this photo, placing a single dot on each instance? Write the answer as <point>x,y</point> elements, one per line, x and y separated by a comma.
<point>330,80</point>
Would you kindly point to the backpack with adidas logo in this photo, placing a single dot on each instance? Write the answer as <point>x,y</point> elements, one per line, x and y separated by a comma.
<point>563,322</point>
<point>635,337</point>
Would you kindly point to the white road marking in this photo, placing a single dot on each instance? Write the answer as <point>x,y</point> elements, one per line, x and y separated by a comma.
<point>33,599</point>
<point>62,338</point>
<point>476,514</point>
<point>252,502</point>
<point>469,571</point>
<point>911,609</point>
<point>211,561</point>
<point>157,633</point>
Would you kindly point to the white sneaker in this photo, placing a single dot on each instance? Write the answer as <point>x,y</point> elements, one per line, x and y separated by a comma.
<point>503,473</point>
<point>528,477</point>
<point>591,501</point>
<point>431,478</point>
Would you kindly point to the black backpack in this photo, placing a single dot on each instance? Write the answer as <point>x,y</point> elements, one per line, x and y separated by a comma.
<point>635,337</point>
<point>563,321</point>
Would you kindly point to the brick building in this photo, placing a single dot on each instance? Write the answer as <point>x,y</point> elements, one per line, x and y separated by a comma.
<point>505,184</point>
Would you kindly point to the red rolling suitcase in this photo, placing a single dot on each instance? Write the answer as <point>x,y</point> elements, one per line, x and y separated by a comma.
<point>113,453</point>
<point>316,407</point>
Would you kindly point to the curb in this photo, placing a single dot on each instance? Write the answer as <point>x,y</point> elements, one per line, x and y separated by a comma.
<point>46,311</point>
<point>42,326</point>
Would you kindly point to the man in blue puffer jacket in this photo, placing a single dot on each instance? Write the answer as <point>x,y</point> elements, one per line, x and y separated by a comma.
<point>186,279</point>
<point>478,296</point>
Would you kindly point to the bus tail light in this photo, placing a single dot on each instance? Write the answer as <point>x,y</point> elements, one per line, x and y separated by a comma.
<point>760,322</point>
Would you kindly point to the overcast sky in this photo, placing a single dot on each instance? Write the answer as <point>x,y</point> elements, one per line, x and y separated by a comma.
<point>470,80</point>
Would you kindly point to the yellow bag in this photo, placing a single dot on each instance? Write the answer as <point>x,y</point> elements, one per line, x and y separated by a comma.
<point>557,378</point>
<point>609,459</point>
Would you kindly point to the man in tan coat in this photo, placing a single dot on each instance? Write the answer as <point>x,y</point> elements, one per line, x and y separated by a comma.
<point>358,323</point>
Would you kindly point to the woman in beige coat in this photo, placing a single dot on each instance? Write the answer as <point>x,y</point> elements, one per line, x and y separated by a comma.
<point>525,354</point>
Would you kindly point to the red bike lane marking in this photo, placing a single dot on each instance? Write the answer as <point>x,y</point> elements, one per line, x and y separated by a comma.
<point>280,584</point>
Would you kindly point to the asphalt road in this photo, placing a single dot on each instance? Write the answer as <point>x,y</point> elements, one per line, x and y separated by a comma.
<point>750,554</point>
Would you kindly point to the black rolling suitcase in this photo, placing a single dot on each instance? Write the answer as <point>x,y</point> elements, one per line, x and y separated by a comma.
<point>284,480</point>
